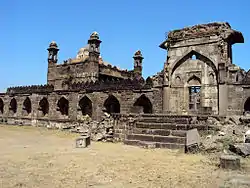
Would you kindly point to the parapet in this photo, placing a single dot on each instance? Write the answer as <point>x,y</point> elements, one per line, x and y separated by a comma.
<point>30,89</point>
<point>221,29</point>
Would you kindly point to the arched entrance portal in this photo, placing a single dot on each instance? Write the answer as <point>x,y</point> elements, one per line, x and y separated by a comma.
<point>86,106</point>
<point>112,105</point>
<point>145,104</point>
<point>63,105</point>
<point>44,106</point>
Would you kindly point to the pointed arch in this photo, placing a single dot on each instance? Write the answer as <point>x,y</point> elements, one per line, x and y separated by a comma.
<point>112,105</point>
<point>1,106</point>
<point>86,106</point>
<point>63,105</point>
<point>189,55</point>
<point>145,103</point>
<point>13,105</point>
<point>27,105</point>
<point>194,80</point>
<point>44,106</point>
<point>211,78</point>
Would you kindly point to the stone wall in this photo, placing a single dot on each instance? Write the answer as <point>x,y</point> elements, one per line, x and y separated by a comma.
<point>126,100</point>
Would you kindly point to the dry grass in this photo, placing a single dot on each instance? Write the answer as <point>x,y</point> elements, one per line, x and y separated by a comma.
<point>36,157</point>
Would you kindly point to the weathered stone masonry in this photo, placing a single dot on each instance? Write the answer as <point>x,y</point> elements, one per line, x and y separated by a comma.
<point>198,78</point>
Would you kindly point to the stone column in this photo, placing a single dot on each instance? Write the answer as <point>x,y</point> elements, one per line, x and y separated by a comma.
<point>223,90</point>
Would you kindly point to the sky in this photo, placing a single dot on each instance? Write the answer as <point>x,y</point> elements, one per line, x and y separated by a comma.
<point>28,26</point>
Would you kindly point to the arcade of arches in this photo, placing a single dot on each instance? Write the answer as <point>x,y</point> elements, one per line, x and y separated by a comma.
<point>111,105</point>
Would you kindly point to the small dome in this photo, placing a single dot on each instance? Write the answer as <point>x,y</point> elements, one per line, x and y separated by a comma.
<point>53,44</point>
<point>94,35</point>
<point>83,52</point>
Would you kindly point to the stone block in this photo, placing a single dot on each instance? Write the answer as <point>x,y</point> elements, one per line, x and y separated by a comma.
<point>192,141</point>
<point>242,149</point>
<point>83,142</point>
<point>230,162</point>
<point>192,137</point>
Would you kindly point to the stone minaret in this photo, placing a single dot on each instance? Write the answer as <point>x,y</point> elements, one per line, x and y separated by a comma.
<point>138,63</point>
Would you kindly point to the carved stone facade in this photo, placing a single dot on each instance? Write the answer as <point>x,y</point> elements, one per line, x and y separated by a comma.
<point>198,78</point>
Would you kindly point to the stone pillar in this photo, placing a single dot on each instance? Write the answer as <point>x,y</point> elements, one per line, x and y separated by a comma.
<point>223,90</point>
<point>166,98</point>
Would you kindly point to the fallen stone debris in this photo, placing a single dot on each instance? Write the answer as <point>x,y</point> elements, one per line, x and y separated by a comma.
<point>232,135</point>
<point>97,130</point>
<point>242,149</point>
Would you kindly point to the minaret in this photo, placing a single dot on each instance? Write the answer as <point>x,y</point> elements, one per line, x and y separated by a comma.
<point>53,50</point>
<point>52,61</point>
<point>138,63</point>
<point>94,47</point>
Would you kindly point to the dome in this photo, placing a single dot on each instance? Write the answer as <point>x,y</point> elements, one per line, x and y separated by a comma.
<point>53,44</point>
<point>94,35</point>
<point>83,52</point>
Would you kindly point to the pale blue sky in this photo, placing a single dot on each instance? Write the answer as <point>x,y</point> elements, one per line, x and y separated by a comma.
<point>28,26</point>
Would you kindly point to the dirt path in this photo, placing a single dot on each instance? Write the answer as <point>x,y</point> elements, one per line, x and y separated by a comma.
<point>36,157</point>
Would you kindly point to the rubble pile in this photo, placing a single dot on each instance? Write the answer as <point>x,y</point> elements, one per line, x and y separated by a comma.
<point>230,131</point>
<point>97,130</point>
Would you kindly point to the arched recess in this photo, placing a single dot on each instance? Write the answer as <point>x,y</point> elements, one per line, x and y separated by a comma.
<point>112,105</point>
<point>194,87</point>
<point>247,105</point>
<point>145,103</point>
<point>63,106</point>
<point>86,106</point>
<point>199,56</point>
<point>1,106</point>
<point>13,105</point>
<point>27,105</point>
<point>44,106</point>
<point>194,81</point>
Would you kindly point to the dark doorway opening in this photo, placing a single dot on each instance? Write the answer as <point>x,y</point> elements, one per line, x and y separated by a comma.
<point>86,106</point>
<point>27,105</point>
<point>112,105</point>
<point>13,106</point>
<point>63,105</point>
<point>44,106</point>
<point>145,103</point>
<point>1,106</point>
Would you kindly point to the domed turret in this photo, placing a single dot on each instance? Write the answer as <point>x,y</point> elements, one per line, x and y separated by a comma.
<point>53,50</point>
<point>94,46</point>
<point>94,35</point>
<point>53,44</point>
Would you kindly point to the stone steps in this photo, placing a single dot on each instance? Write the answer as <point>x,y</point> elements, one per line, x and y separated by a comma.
<point>155,144</point>
<point>157,138</point>
<point>170,126</point>
<point>161,132</point>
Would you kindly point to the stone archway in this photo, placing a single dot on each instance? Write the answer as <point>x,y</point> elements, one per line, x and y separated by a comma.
<point>13,106</point>
<point>27,106</point>
<point>144,104</point>
<point>63,106</point>
<point>44,106</point>
<point>1,106</point>
<point>112,105</point>
<point>86,106</point>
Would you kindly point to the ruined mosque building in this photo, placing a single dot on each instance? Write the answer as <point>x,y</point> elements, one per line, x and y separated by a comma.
<point>198,78</point>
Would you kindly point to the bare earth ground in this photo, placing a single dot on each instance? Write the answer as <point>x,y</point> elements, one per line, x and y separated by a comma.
<point>37,157</point>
